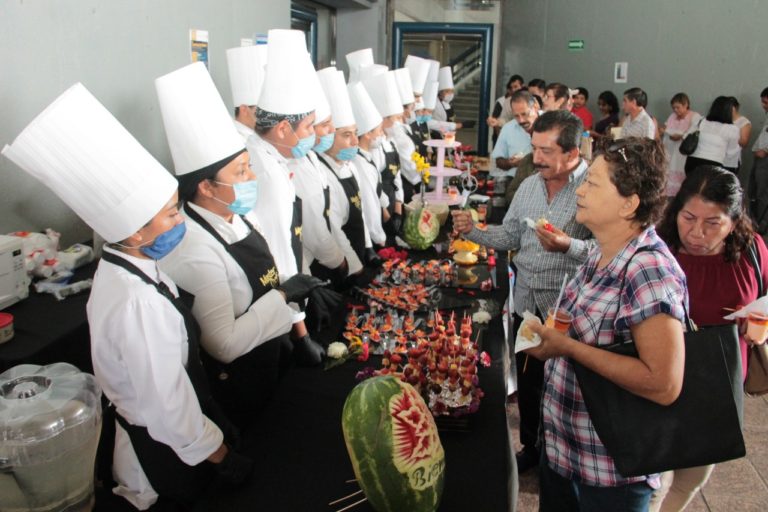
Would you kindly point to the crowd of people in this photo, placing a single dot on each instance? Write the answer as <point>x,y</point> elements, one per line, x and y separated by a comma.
<point>644,233</point>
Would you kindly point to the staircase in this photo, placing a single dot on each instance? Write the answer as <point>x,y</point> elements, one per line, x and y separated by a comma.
<point>467,100</point>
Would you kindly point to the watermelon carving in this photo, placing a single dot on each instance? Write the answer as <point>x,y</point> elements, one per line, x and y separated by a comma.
<point>421,228</point>
<point>394,447</point>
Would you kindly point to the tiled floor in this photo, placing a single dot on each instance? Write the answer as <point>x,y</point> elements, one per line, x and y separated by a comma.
<point>736,486</point>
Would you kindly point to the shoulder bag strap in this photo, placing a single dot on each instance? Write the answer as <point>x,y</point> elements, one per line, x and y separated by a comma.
<point>754,259</point>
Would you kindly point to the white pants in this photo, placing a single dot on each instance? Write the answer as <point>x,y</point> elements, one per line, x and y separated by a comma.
<point>678,488</point>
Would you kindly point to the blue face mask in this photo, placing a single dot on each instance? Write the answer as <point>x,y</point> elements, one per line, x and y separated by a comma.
<point>302,147</point>
<point>347,154</point>
<point>165,243</point>
<point>326,141</point>
<point>246,193</point>
<point>424,118</point>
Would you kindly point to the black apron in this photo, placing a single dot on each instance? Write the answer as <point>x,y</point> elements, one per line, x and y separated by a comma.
<point>354,229</point>
<point>296,243</point>
<point>327,207</point>
<point>388,175</point>
<point>450,115</point>
<point>245,385</point>
<point>419,134</point>
<point>170,477</point>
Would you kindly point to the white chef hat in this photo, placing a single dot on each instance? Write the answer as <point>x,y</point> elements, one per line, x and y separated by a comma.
<point>287,88</point>
<point>86,157</point>
<point>198,127</point>
<point>434,69</point>
<point>366,72</point>
<point>356,60</point>
<point>404,86</point>
<point>383,91</point>
<point>332,82</point>
<point>430,95</point>
<point>246,74</point>
<point>419,104</point>
<point>418,69</point>
<point>366,116</point>
<point>322,107</point>
<point>445,78</point>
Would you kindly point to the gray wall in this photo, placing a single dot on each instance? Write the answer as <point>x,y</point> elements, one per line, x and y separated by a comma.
<point>704,48</point>
<point>117,49</point>
<point>361,28</point>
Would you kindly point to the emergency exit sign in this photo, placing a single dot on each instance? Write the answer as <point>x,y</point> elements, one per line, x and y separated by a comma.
<point>576,45</point>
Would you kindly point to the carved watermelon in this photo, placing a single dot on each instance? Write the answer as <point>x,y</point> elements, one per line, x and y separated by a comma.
<point>421,228</point>
<point>393,443</point>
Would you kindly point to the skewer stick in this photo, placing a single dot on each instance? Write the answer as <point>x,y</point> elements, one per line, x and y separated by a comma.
<point>352,505</point>
<point>350,481</point>
<point>345,497</point>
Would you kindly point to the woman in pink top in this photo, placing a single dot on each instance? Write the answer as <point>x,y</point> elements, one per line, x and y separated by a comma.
<point>673,131</point>
<point>710,234</point>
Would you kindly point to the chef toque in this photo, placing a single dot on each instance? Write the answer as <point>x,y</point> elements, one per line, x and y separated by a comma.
<point>418,68</point>
<point>88,159</point>
<point>445,78</point>
<point>382,89</point>
<point>366,116</point>
<point>287,88</point>
<point>367,72</point>
<point>430,95</point>
<point>434,70</point>
<point>356,60</point>
<point>246,74</point>
<point>332,82</point>
<point>404,86</point>
<point>199,130</point>
<point>322,107</point>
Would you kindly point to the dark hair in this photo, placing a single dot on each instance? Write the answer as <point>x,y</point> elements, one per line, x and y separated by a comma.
<point>735,101</point>
<point>637,95</point>
<point>515,78</point>
<point>764,94</point>
<point>638,166</point>
<point>561,91</point>
<point>583,91</point>
<point>681,98</point>
<point>522,96</point>
<point>539,101</point>
<point>609,99</point>
<point>569,126</point>
<point>721,110</point>
<point>719,186</point>
<point>537,82</point>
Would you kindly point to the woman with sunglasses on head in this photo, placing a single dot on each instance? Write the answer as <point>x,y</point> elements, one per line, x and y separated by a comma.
<point>709,232</point>
<point>630,287</point>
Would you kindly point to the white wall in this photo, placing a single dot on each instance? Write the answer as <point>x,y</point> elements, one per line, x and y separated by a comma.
<point>117,49</point>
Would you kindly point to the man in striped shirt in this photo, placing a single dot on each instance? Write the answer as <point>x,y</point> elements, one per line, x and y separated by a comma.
<point>558,245</point>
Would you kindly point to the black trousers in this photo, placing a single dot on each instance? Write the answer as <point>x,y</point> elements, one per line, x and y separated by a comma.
<point>530,381</point>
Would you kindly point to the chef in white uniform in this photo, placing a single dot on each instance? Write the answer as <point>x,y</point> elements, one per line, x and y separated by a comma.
<point>143,338</point>
<point>370,136</point>
<point>443,109</point>
<point>224,260</point>
<point>406,146</point>
<point>323,254</point>
<point>246,76</point>
<point>284,130</point>
<point>347,216</point>
<point>418,69</point>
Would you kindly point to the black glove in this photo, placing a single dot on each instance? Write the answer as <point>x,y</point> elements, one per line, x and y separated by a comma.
<point>297,288</point>
<point>307,352</point>
<point>234,469</point>
<point>397,222</point>
<point>371,259</point>
<point>322,302</point>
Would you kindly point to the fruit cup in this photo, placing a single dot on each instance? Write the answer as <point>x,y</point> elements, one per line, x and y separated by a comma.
<point>561,320</point>
<point>757,327</point>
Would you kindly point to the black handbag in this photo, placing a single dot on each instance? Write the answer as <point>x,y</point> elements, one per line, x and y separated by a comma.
<point>703,426</point>
<point>690,142</point>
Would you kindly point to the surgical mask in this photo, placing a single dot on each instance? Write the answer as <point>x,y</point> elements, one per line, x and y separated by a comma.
<point>246,193</point>
<point>165,242</point>
<point>424,118</point>
<point>393,130</point>
<point>302,147</point>
<point>377,142</point>
<point>326,141</point>
<point>448,98</point>
<point>347,154</point>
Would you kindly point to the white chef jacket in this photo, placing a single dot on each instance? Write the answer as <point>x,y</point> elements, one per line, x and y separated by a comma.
<point>406,148</point>
<point>318,242</point>
<point>245,131</point>
<point>439,121</point>
<point>340,210</point>
<point>368,178</point>
<point>139,350</point>
<point>380,159</point>
<point>230,325</point>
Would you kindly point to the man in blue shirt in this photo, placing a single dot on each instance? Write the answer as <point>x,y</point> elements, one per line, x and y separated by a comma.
<point>515,137</point>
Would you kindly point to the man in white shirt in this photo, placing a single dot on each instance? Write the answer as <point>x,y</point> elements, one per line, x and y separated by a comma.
<point>758,181</point>
<point>637,122</point>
